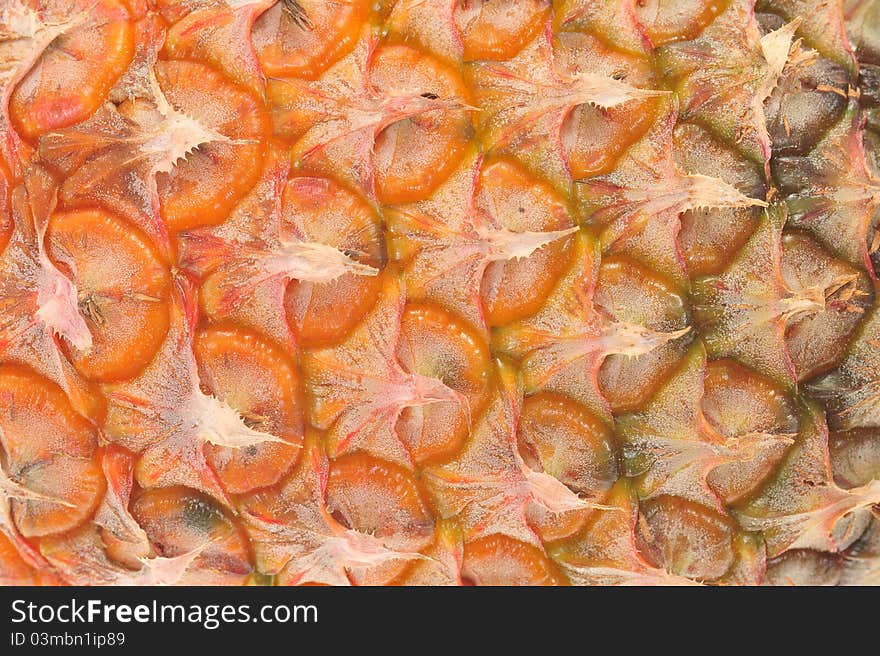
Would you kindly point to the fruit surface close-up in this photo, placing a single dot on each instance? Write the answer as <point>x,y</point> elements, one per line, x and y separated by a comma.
<point>440,292</point>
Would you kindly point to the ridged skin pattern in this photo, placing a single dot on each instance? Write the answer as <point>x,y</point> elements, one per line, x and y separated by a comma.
<point>429,292</point>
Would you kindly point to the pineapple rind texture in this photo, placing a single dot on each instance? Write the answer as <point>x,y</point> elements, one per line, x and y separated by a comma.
<point>439,292</point>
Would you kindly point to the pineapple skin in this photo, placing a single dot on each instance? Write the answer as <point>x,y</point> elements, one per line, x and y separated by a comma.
<point>439,292</point>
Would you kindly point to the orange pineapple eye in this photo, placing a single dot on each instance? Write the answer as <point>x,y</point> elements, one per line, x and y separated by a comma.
<point>413,156</point>
<point>50,450</point>
<point>501,560</point>
<point>498,30</point>
<point>123,291</point>
<point>322,211</point>
<point>738,401</point>
<point>552,526</point>
<point>594,139</point>
<point>178,520</point>
<point>560,437</point>
<point>76,72</point>
<point>433,343</point>
<point>203,188</point>
<point>303,38</point>
<point>666,21</point>
<point>686,538</point>
<point>513,289</point>
<point>374,496</point>
<point>634,294</point>
<point>261,383</point>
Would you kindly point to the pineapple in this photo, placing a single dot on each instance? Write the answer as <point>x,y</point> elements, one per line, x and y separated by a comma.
<point>432,292</point>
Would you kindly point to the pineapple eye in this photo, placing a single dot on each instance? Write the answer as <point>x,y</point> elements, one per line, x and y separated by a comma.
<point>49,460</point>
<point>499,560</point>
<point>438,345</point>
<point>122,286</point>
<point>259,382</point>
<point>76,69</point>
<point>497,30</point>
